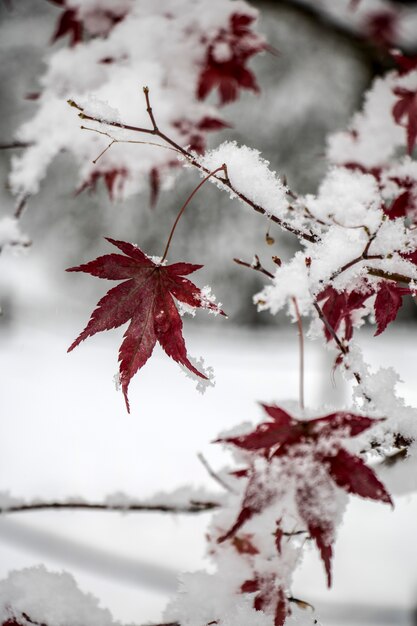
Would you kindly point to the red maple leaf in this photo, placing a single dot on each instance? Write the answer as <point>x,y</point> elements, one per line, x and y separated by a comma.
<point>69,24</point>
<point>406,107</point>
<point>387,304</point>
<point>340,306</point>
<point>331,466</point>
<point>227,71</point>
<point>99,22</point>
<point>146,299</point>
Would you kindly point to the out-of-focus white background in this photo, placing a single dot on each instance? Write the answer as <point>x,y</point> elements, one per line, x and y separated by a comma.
<point>64,430</point>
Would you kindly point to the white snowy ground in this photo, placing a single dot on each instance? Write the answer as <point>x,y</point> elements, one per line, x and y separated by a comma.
<point>64,432</point>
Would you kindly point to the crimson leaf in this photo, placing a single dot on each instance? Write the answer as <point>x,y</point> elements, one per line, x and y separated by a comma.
<point>146,299</point>
<point>387,304</point>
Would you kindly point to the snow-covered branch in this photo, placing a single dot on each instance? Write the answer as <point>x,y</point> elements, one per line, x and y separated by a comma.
<point>183,500</point>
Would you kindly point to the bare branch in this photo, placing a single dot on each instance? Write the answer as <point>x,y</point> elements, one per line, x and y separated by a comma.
<point>308,236</point>
<point>194,506</point>
<point>213,474</point>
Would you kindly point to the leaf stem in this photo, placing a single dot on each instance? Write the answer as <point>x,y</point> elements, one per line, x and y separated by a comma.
<point>184,206</point>
<point>213,474</point>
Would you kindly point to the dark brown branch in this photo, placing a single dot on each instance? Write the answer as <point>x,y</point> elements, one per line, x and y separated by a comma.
<point>194,506</point>
<point>257,266</point>
<point>363,257</point>
<point>149,108</point>
<point>308,236</point>
<point>399,278</point>
<point>343,349</point>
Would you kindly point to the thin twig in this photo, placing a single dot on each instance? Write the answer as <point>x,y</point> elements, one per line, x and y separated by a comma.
<point>213,474</point>
<point>257,266</point>
<point>331,330</point>
<point>149,109</point>
<point>20,207</point>
<point>184,206</point>
<point>308,236</point>
<point>115,140</point>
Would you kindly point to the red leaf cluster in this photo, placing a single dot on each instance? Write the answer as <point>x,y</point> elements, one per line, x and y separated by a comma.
<point>193,135</point>
<point>340,307</point>
<point>100,22</point>
<point>284,437</point>
<point>114,180</point>
<point>227,71</point>
<point>146,299</point>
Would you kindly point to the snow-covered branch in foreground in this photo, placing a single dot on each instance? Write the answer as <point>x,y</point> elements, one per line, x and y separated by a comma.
<point>25,598</point>
<point>182,500</point>
<point>183,50</point>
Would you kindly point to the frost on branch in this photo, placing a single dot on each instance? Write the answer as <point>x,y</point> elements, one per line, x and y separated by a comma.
<point>209,45</point>
<point>262,186</point>
<point>35,595</point>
